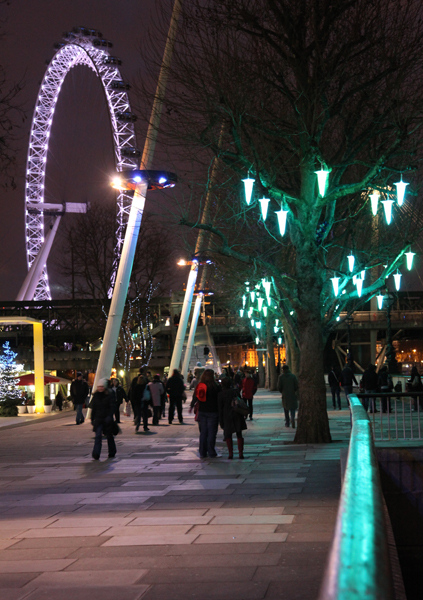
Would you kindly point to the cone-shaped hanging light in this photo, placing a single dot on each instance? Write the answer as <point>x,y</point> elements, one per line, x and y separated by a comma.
<point>257,341</point>
<point>264,205</point>
<point>282,214</point>
<point>401,185</point>
<point>241,312</point>
<point>258,324</point>
<point>250,312</point>
<point>275,329</point>
<point>379,301</point>
<point>248,189</point>
<point>276,321</point>
<point>363,274</point>
<point>387,206</point>
<point>397,277</point>
<point>267,285</point>
<point>260,303</point>
<point>252,322</point>
<point>335,283</point>
<point>252,296</point>
<point>280,341</point>
<point>351,261</point>
<point>410,255</point>
<point>322,178</point>
<point>244,300</point>
<point>265,311</point>
<point>354,279</point>
<point>359,284</point>
<point>374,199</point>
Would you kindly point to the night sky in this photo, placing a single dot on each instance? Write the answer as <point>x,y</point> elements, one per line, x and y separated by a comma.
<point>80,160</point>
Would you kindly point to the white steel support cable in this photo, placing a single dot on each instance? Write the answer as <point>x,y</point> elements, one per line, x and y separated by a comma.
<point>120,291</point>
<point>191,337</point>
<point>183,321</point>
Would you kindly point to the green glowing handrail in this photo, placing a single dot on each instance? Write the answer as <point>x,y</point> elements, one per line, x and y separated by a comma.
<point>358,567</point>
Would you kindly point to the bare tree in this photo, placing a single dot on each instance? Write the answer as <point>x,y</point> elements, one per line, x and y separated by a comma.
<point>299,86</point>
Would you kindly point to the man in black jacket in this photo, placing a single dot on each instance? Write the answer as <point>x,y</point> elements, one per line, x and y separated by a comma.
<point>175,388</point>
<point>79,392</point>
<point>103,408</point>
<point>370,381</point>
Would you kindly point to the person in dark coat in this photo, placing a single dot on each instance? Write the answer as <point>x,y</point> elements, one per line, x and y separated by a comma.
<point>249,388</point>
<point>79,392</point>
<point>288,387</point>
<point>230,421</point>
<point>134,382</point>
<point>206,394</point>
<point>370,382</point>
<point>59,399</point>
<point>175,388</point>
<point>334,384</point>
<point>102,412</point>
<point>139,405</point>
<point>120,396</point>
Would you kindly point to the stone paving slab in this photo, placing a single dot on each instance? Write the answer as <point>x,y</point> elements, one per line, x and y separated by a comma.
<point>157,522</point>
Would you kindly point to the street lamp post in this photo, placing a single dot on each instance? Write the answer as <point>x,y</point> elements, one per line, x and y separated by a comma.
<point>349,321</point>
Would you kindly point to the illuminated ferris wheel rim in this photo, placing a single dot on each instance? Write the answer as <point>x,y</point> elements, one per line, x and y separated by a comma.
<point>81,47</point>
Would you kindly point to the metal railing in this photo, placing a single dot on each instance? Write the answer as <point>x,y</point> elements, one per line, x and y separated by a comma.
<point>358,565</point>
<point>398,416</point>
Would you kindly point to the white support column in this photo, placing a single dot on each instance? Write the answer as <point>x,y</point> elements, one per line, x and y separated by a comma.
<point>120,291</point>
<point>39,263</point>
<point>183,321</point>
<point>191,337</point>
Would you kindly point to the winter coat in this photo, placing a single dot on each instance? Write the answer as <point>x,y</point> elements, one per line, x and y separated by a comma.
<point>347,377</point>
<point>175,387</point>
<point>79,391</point>
<point>210,405</point>
<point>156,390</point>
<point>248,387</point>
<point>120,394</point>
<point>136,396</point>
<point>288,387</point>
<point>230,421</point>
<point>102,409</point>
<point>385,382</point>
<point>370,379</point>
<point>333,378</point>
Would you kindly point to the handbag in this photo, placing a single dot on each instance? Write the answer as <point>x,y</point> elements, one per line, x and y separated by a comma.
<point>115,428</point>
<point>239,407</point>
<point>146,397</point>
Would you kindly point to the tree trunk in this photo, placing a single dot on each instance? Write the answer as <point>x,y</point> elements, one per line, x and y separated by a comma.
<point>293,353</point>
<point>261,373</point>
<point>272,375</point>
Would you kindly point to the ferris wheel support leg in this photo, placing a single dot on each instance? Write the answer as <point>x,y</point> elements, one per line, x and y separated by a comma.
<point>183,321</point>
<point>34,274</point>
<point>191,336</point>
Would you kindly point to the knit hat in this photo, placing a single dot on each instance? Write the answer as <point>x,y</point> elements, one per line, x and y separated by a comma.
<point>102,382</point>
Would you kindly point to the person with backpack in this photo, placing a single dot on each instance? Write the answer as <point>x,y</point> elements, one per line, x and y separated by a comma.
<point>206,394</point>
<point>230,421</point>
<point>334,384</point>
<point>156,390</point>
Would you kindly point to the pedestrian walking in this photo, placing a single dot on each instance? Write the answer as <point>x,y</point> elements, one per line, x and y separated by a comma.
<point>135,404</point>
<point>102,413</point>
<point>415,385</point>
<point>385,385</point>
<point>230,421</point>
<point>120,396</point>
<point>369,382</point>
<point>334,384</point>
<point>347,379</point>
<point>156,390</point>
<point>141,403</point>
<point>248,389</point>
<point>206,394</point>
<point>176,389</point>
<point>79,393</point>
<point>288,387</point>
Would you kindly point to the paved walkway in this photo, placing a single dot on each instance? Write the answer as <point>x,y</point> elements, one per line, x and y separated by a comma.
<point>157,522</point>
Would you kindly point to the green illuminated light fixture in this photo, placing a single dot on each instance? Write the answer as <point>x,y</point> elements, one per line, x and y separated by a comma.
<point>280,341</point>
<point>260,303</point>
<point>282,214</point>
<point>351,261</point>
<point>248,189</point>
<point>335,283</point>
<point>359,286</point>
<point>397,278</point>
<point>264,205</point>
<point>401,185</point>
<point>379,301</point>
<point>374,199</point>
<point>410,255</point>
<point>387,206</point>
<point>241,312</point>
<point>252,296</point>
<point>244,300</point>
<point>322,179</point>
<point>265,311</point>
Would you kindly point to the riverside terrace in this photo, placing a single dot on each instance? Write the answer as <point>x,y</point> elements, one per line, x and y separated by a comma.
<point>157,522</point>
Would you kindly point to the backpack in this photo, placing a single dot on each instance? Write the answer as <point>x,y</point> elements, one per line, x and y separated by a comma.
<point>146,397</point>
<point>201,392</point>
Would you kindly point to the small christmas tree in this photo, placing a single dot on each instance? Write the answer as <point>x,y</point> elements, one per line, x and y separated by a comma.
<point>9,375</point>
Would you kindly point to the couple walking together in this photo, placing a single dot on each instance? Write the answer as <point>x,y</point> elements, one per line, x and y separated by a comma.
<point>214,406</point>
